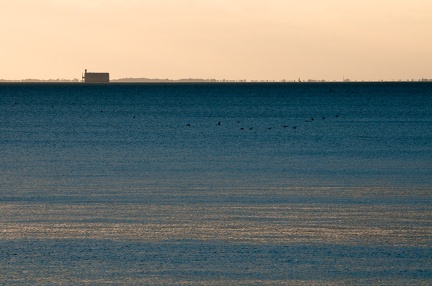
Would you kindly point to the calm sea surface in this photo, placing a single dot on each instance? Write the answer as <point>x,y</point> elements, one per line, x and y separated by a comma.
<point>215,184</point>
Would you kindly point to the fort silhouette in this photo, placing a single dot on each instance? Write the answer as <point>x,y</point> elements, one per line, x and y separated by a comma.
<point>95,77</point>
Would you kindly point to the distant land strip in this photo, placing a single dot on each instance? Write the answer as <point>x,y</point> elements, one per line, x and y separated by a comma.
<point>197,80</point>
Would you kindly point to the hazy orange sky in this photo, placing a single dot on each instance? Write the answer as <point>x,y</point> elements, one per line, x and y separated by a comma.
<point>221,39</point>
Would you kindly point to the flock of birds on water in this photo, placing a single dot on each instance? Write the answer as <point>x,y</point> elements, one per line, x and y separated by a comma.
<point>311,119</point>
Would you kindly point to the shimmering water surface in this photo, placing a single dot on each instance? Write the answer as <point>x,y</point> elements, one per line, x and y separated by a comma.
<point>212,184</point>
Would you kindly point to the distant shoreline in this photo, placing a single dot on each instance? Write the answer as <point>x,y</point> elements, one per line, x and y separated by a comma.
<point>145,80</point>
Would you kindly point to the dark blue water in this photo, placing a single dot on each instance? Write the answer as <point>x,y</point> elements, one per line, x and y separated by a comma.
<point>216,183</point>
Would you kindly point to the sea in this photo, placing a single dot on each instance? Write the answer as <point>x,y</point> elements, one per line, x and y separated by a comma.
<point>216,183</point>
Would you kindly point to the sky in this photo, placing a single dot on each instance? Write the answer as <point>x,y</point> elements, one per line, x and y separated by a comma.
<point>217,39</point>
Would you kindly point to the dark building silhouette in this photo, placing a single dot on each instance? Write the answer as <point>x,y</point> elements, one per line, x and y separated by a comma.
<point>95,77</point>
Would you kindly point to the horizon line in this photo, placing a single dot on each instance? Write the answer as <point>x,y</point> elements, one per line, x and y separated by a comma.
<point>202,80</point>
